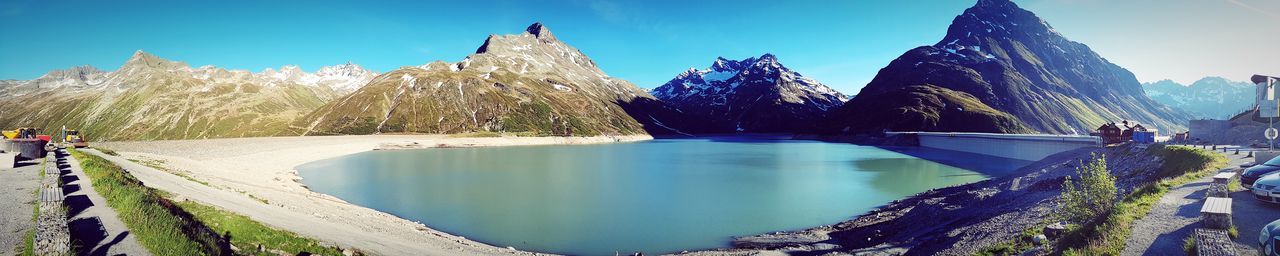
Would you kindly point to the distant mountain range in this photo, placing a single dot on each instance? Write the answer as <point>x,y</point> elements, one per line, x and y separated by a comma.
<point>752,95</point>
<point>1001,68</point>
<point>1209,97</point>
<point>152,98</point>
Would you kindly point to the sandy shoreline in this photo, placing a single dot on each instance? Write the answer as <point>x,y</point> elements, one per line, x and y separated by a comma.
<point>263,169</point>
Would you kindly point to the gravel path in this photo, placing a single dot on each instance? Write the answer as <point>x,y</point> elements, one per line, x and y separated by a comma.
<point>1173,218</point>
<point>17,202</point>
<point>94,224</point>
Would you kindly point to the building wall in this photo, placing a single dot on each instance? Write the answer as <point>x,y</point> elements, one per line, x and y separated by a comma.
<point>1205,128</point>
<point>1030,147</point>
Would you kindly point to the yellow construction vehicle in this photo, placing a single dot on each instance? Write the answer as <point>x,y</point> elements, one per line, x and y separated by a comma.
<point>73,137</point>
<point>20,133</point>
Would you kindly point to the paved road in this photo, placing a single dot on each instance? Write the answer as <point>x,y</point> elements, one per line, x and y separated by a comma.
<point>17,203</point>
<point>94,225</point>
<point>1250,215</point>
<point>1175,217</point>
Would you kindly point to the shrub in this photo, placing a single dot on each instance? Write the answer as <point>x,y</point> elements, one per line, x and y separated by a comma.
<point>1093,195</point>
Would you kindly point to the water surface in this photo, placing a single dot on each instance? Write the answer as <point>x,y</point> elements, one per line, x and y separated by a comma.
<point>657,196</point>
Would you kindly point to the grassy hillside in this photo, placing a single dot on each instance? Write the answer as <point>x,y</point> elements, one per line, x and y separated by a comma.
<point>927,108</point>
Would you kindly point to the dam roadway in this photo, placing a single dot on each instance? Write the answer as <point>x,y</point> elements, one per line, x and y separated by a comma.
<point>1030,147</point>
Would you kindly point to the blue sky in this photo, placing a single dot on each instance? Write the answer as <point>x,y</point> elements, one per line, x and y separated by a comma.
<point>841,43</point>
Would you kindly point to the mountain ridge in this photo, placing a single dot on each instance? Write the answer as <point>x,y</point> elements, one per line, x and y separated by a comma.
<point>756,94</point>
<point>1208,97</point>
<point>529,83</point>
<point>151,98</point>
<point>1015,63</point>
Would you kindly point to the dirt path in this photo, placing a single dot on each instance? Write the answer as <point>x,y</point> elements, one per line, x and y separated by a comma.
<point>17,196</point>
<point>94,225</point>
<point>1173,218</point>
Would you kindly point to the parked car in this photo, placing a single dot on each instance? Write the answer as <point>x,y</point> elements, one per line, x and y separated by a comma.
<point>1269,241</point>
<point>1267,188</point>
<point>1257,171</point>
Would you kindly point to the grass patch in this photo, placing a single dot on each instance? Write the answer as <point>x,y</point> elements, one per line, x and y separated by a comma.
<point>107,151</point>
<point>159,165</point>
<point>1189,245</point>
<point>158,225</point>
<point>476,135</point>
<point>255,198</point>
<point>1105,235</point>
<point>1234,185</point>
<point>1022,243</point>
<point>247,234</point>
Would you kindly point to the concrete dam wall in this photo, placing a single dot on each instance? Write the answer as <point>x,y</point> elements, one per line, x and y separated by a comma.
<point>1030,147</point>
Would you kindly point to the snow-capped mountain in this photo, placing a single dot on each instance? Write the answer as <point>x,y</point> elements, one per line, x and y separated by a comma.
<point>751,95</point>
<point>1209,97</point>
<point>152,98</point>
<point>342,78</point>
<point>72,78</point>
<point>1001,68</point>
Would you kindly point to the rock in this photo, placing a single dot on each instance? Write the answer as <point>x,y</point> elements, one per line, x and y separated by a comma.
<point>1039,239</point>
<point>1055,230</point>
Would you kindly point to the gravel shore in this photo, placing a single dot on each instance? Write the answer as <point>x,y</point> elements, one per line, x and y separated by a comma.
<point>263,169</point>
<point>958,220</point>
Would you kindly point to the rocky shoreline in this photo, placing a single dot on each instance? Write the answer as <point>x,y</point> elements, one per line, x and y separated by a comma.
<point>957,220</point>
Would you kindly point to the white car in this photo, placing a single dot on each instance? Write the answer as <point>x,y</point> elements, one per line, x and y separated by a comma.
<point>1270,239</point>
<point>1267,188</point>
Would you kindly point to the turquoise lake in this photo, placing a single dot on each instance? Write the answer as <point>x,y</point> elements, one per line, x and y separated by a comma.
<point>659,196</point>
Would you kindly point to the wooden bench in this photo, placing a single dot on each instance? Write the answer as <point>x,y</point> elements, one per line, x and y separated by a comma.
<point>1216,213</point>
<point>1213,242</point>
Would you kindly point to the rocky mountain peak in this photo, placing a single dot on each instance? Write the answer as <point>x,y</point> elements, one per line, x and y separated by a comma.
<point>996,4</point>
<point>141,59</point>
<point>1013,62</point>
<point>756,94</point>
<point>540,31</point>
<point>1001,19</point>
<point>533,51</point>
